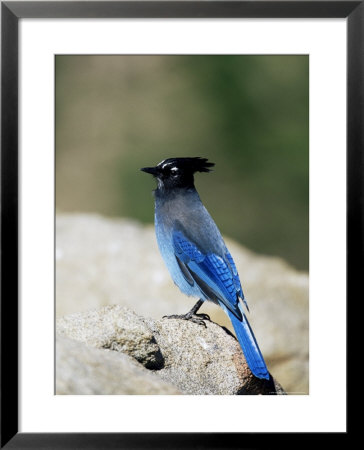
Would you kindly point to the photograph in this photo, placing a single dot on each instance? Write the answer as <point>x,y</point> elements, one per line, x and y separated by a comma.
<point>181,207</point>
<point>182,224</point>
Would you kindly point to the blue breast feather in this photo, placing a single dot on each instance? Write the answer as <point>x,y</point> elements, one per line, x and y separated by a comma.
<point>212,271</point>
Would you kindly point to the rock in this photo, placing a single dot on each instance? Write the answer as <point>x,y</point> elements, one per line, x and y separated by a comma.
<point>83,370</point>
<point>115,329</point>
<point>192,358</point>
<point>101,261</point>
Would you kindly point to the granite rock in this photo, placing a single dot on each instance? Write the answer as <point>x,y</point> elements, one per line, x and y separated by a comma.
<point>114,328</point>
<point>192,358</point>
<point>84,370</point>
<point>102,261</point>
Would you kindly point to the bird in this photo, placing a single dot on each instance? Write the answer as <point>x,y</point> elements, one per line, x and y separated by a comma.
<point>195,253</point>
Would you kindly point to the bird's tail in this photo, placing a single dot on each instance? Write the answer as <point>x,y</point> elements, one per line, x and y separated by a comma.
<point>249,346</point>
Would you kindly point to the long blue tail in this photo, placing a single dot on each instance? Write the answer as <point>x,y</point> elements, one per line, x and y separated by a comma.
<point>249,346</point>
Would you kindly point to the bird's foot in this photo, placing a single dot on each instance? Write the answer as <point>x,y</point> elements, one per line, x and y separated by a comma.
<point>195,318</point>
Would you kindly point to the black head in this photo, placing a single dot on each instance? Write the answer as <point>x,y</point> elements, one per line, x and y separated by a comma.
<point>178,172</point>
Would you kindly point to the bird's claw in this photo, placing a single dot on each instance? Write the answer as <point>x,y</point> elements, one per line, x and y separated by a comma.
<point>204,316</point>
<point>195,318</point>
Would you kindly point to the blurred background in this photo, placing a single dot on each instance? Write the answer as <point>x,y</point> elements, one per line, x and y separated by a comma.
<point>248,114</point>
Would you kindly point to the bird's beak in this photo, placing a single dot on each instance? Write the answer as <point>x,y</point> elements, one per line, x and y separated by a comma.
<point>152,170</point>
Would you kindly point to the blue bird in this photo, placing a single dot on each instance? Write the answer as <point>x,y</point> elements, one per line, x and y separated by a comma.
<point>195,253</point>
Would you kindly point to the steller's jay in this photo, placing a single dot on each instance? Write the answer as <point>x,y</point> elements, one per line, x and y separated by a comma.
<point>195,253</point>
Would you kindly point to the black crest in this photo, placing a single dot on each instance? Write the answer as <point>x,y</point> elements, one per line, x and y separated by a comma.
<point>196,164</point>
<point>178,172</point>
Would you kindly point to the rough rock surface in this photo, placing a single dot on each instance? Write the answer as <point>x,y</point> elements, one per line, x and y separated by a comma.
<point>192,358</point>
<point>85,370</point>
<point>101,261</point>
<point>114,328</point>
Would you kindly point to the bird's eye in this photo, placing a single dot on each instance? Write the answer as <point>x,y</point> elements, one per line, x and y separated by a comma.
<point>174,171</point>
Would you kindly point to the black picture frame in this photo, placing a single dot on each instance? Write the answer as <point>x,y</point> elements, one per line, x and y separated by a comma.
<point>11,12</point>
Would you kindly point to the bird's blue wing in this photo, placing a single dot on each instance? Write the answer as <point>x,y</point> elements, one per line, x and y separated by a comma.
<point>235,274</point>
<point>234,271</point>
<point>219,281</point>
<point>214,276</point>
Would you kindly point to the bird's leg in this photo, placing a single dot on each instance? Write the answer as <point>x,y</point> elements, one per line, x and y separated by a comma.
<point>192,315</point>
<point>193,311</point>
